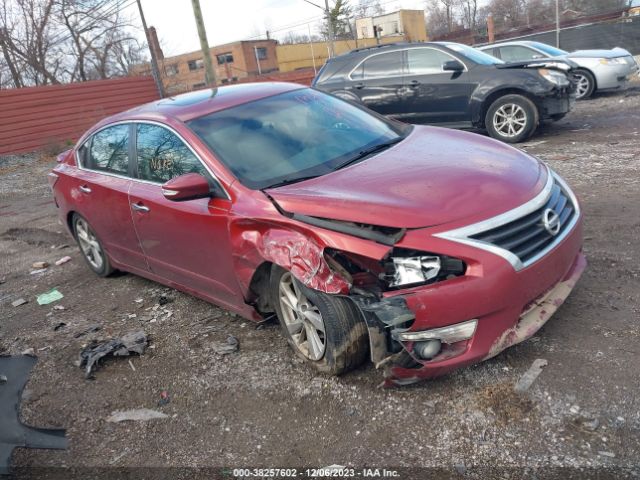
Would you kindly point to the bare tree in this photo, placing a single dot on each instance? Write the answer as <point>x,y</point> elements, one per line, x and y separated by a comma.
<point>469,13</point>
<point>368,8</point>
<point>54,41</point>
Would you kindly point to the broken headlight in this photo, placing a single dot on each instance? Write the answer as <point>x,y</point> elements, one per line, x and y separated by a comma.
<point>406,268</point>
<point>553,76</point>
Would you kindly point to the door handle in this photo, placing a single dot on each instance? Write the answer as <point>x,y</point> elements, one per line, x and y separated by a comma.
<point>359,85</point>
<point>138,207</point>
<point>84,189</point>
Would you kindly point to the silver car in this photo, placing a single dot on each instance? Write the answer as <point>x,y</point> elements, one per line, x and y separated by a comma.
<point>597,70</point>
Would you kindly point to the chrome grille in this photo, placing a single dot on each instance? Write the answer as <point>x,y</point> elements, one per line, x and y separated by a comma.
<point>520,235</point>
<point>527,236</point>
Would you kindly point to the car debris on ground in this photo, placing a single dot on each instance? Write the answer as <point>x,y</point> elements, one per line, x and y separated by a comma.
<point>14,374</point>
<point>63,260</point>
<point>134,342</point>
<point>231,345</point>
<point>51,296</point>
<point>18,302</point>
<point>40,265</point>
<point>527,379</point>
<point>136,415</point>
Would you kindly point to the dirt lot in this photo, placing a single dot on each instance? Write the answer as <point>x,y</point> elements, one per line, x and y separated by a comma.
<point>259,407</point>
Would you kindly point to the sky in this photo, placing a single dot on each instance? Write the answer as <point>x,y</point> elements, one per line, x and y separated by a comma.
<point>230,20</point>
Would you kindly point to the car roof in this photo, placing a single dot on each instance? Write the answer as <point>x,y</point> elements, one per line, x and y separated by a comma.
<point>514,42</point>
<point>191,105</point>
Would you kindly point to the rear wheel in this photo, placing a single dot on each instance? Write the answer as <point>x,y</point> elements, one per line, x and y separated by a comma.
<point>512,118</point>
<point>91,248</point>
<point>326,331</point>
<point>585,83</point>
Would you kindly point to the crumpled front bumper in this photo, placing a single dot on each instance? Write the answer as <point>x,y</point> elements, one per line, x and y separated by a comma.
<point>510,307</point>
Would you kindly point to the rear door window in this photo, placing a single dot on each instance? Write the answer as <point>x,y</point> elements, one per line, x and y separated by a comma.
<point>109,150</point>
<point>383,65</point>
<point>163,156</point>
<point>423,61</point>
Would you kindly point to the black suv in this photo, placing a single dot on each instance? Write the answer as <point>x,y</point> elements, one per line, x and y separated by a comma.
<point>452,85</point>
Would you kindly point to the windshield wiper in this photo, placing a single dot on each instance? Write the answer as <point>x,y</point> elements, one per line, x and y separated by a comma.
<point>371,150</point>
<point>289,181</point>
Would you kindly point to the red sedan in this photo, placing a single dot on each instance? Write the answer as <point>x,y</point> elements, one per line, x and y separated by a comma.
<point>426,249</point>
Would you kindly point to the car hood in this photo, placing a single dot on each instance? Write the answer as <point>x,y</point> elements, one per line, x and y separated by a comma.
<point>556,63</point>
<point>613,53</point>
<point>434,176</point>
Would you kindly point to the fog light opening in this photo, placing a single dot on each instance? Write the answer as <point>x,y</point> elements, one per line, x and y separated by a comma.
<point>427,350</point>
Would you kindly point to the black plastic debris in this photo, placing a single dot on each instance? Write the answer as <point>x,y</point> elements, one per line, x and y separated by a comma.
<point>91,329</point>
<point>163,300</point>
<point>15,373</point>
<point>134,342</point>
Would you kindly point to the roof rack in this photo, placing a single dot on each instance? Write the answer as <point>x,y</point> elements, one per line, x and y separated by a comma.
<point>378,46</point>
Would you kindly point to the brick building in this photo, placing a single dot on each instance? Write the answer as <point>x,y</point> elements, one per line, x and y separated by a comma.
<point>231,62</point>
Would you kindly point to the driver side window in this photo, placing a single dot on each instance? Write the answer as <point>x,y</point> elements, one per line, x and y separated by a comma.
<point>163,156</point>
<point>424,61</point>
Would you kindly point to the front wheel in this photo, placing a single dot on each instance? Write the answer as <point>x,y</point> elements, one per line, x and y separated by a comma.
<point>512,118</point>
<point>326,331</point>
<point>91,248</point>
<point>585,83</point>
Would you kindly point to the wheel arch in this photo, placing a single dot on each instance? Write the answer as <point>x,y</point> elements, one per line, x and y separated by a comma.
<point>484,106</point>
<point>595,78</point>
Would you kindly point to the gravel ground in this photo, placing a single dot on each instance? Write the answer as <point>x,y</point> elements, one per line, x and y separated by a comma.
<point>260,407</point>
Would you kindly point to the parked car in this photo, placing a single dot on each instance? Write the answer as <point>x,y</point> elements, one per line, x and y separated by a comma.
<point>424,248</point>
<point>598,70</point>
<point>451,85</point>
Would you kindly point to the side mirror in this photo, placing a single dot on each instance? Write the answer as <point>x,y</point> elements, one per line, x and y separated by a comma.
<point>452,66</point>
<point>186,187</point>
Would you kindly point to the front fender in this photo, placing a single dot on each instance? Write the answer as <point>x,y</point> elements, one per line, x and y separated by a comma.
<point>523,81</point>
<point>301,253</point>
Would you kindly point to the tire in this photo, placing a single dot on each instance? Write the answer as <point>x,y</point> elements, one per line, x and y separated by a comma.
<point>511,118</point>
<point>585,83</point>
<point>345,340</point>
<point>92,250</point>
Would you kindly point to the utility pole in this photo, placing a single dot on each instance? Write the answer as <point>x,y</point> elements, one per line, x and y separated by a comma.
<point>255,51</point>
<point>327,12</point>
<point>155,71</point>
<point>209,75</point>
<point>557,23</point>
<point>313,57</point>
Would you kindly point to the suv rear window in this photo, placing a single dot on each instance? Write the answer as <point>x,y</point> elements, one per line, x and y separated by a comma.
<point>379,65</point>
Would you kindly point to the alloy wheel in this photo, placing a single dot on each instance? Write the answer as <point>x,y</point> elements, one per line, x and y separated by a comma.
<point>89,244</point>
<point>582,85</point>
<point>510,120</point>
<point>302,319</point>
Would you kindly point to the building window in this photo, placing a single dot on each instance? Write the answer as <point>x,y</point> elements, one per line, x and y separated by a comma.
<point>261,53</point>
<point>394,27</point>
<point>198,85</point>
<point>196,64</point>
<point>171,70</point>
<point>224,58</point>
<point>224,80</point>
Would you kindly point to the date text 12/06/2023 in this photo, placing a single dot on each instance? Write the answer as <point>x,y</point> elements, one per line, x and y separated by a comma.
<point>333,471</point>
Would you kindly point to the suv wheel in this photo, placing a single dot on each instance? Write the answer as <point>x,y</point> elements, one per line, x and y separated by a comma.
<point>512,118</point>
<point>90,246</point>
<point>326,331</point>
<point>585,83</point>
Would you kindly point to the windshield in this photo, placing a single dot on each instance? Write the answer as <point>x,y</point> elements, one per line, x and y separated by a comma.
<point>291,136</point>
<point>548,49</point>
<point>474,55</point>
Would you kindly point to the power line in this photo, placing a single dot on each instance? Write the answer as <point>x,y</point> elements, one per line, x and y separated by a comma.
<point>118,6</point>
